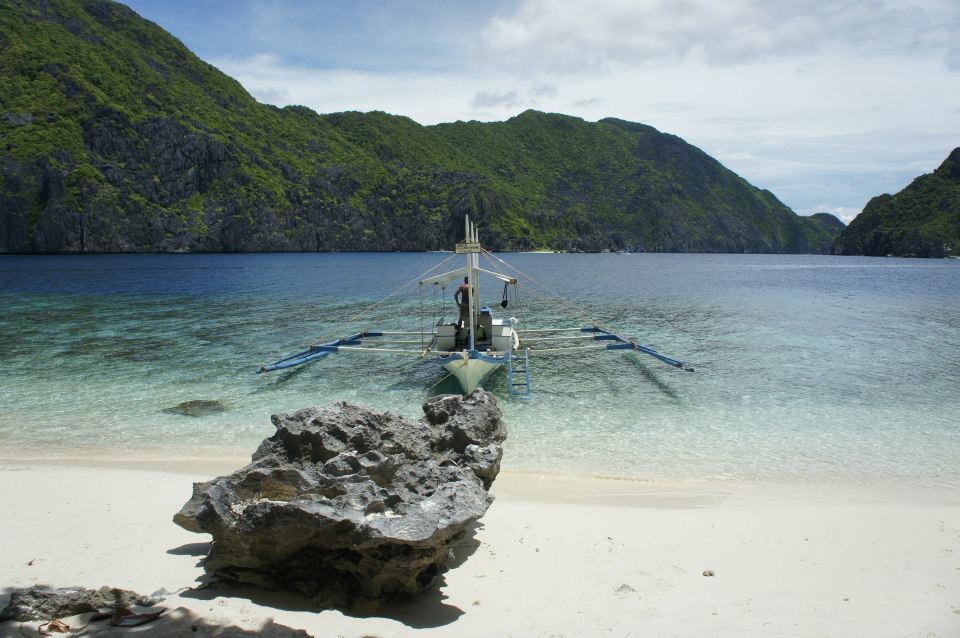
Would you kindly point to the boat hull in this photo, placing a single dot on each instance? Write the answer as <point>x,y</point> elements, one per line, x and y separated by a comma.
<point>472,370</point>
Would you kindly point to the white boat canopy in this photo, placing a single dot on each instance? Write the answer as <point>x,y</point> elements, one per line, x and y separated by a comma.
<point>460,273</point>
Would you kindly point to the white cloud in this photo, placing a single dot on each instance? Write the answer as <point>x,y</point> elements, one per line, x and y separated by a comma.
<point>568,35</point>
<point>544,90</point>
<point>424,96</point>
<point>486,99</point>
<point>825,104</point>
<point>953,59</point>
<point>271,94</point>
<point>843,213</point>
<point>589,103</point>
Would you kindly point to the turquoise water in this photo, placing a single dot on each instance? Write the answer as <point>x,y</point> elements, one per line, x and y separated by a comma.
<point>811,368</point>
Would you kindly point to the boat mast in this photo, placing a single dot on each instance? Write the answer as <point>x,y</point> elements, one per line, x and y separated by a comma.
<point>476,274</point>
<point>471,247</point>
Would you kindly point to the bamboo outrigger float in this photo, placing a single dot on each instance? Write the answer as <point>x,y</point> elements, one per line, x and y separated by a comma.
<point>471,350</point>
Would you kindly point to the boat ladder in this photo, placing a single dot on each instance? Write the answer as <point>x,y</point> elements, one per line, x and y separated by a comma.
<point>519,389</point>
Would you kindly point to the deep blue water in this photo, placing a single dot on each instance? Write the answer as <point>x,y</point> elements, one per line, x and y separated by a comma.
<point>808,367</point>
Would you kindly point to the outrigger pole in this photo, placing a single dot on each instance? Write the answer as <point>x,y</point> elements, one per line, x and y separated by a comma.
<point>316,352</point>
<point>623,343</point>
<point>355,342</point>
<point>627,343</point>
<point>602,338</point>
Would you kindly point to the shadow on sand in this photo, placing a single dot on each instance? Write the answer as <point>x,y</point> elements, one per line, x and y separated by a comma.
<point>174,622</point>
<point>428,610</point>
<point>422,612</point>
<point>191,549</point>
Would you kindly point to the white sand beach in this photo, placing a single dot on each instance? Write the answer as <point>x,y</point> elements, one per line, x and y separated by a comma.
<point>554,556</point>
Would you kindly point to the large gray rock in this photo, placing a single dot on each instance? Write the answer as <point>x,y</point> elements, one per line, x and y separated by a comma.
<point>350,505</point>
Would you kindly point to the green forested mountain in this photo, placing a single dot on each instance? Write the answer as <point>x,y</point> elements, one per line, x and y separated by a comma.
<point>115,137</point>
<point>922,220</point>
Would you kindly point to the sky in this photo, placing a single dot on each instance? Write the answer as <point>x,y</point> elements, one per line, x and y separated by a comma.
<point>826,103</point>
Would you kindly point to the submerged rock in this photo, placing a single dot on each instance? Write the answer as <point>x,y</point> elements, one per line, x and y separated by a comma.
<point>46,603</point>
<point>197,407</point>
<point>349,505</point>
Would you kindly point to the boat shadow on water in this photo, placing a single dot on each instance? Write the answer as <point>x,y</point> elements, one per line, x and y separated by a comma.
<point>634,360</point>
<point>274,383</point>
<point>441,384</point>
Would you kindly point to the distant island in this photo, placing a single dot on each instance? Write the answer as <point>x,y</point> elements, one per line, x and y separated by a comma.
<point>922,220</point>
<point>116,138</point>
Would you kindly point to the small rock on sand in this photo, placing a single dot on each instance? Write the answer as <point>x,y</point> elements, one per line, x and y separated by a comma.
<point>44,603</point>
<point>708,572</point>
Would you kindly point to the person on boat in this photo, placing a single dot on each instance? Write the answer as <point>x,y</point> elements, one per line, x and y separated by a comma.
<point>462,297</point>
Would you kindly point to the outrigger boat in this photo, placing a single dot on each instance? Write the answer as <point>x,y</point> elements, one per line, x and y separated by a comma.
<point>472,349</point>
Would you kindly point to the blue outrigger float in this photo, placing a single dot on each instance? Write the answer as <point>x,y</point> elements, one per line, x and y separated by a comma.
<point>478,344</point>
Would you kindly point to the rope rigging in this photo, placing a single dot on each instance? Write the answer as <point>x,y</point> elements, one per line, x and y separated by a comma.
<point>565,303</point>
<point>495,349</point>
<point>438,305</point>
<point>368,309</point>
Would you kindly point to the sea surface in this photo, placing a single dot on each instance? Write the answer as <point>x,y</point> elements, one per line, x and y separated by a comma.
<point>808,368</point>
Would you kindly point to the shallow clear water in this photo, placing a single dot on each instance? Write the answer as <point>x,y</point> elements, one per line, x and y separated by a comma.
<point>808,367</point>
